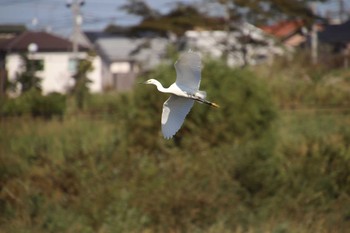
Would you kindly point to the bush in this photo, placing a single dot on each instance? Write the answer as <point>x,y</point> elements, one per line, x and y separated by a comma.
<point>53,104</point>
<point>298,84</point>
<point>244,167</point>
<point>246,112</point>
<point>35,104</point>
<point>15,107</point>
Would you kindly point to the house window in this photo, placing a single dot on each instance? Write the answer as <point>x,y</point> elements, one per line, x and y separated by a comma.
<point>72,65</point>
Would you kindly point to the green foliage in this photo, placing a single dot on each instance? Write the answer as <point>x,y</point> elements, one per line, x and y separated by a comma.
<point>248,166</point>
<point>139,8</point>
<point>53,104</point>
<point>181,18</point>
<point>27,78</point>
<point>34,104</point>
<point>261,12</point>
<point>80,89</point>
<point>16,106</point>
<point>298,84</point>
<point>246,111</point>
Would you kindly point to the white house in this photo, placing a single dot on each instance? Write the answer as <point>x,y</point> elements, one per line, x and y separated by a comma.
<point>54,56</point>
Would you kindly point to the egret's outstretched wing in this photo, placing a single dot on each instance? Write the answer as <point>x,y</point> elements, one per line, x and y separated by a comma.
<point>175,110</point>
<point>188,71</point>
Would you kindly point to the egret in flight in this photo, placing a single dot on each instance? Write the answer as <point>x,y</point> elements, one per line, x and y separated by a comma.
<point>183,92</point>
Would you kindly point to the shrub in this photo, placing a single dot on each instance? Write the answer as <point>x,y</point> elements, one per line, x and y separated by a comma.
<point>246,112</point>
<point>241,168</point>
<point>35,104</point>
<point>53,104</point>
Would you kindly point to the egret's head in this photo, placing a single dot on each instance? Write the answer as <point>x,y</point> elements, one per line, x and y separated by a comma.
<point>150,81</point>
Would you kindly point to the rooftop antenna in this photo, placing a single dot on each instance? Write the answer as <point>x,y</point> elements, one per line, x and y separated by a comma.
<point>35,20</point>
<point>342,13</point>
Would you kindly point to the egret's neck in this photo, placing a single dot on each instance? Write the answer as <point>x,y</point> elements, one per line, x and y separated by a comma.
<point>160,86</point>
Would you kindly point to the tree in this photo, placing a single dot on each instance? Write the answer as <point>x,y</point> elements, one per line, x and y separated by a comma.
<point>140,8</point>
<point>80,89</point>
<point>27,79</point>
<point>181,18</point>
<point>186,16</point>
<point>260,12</point>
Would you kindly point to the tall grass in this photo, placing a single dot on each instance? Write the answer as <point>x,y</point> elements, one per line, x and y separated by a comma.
<point>254,165</point>
<point>296,83</point>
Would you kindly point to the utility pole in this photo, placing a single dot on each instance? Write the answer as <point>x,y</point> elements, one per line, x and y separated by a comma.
<point>227,18</point>
<point>341,11</point>
<point>77,21</point>
<point>314,37</point>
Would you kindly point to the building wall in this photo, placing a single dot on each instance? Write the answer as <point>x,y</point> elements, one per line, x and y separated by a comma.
<point>120,67</point>
<point>95,76</point>
<point>118,75</point>
<point>123,75</point>
<point>107,81</point>
<point>57,73</point>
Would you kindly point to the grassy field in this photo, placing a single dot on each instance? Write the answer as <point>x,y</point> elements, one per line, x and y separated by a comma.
<point>274,158</point>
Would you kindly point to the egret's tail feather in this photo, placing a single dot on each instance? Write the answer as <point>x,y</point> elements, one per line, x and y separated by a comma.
<point>201,94</point>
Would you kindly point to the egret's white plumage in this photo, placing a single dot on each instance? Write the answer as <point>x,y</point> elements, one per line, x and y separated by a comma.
<point>188,72</point>
<point>175,110</point>
<point>184,92</point>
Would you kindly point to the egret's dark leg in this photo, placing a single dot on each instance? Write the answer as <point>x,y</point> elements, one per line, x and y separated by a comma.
<point>208,103</point>
<point>203,101</point>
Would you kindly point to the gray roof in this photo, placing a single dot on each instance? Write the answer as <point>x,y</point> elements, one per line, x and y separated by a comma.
<point>117,48</point>
<point>45,42</point>
<point>147,51</point>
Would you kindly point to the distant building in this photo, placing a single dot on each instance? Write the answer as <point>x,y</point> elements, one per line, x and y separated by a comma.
<point>337,36</point>
<point>123,58</point>
<point>337,39</point>
<point>247,45</point>
<point>55,56</point>
<point>290,33</point>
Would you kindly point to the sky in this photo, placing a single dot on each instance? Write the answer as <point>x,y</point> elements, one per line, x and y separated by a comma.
<point>55,16</point>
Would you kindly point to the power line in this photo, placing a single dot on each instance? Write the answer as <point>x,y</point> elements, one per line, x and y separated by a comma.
<point>17,2</point>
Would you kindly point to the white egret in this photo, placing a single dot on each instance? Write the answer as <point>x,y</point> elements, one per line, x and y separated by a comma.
<point>183,92</point>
